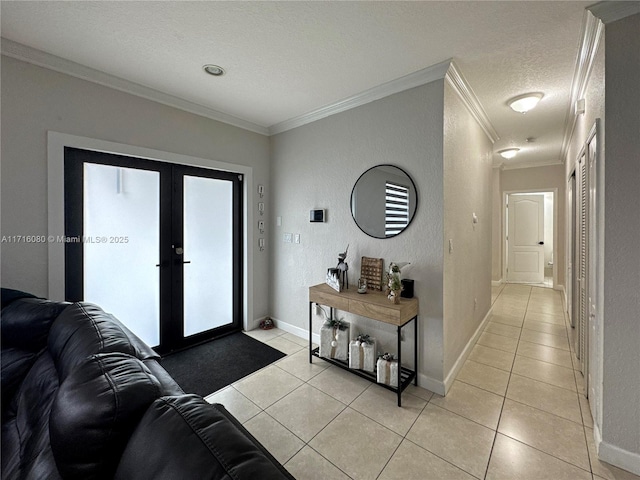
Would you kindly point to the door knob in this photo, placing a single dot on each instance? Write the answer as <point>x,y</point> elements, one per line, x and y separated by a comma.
<point>540,243</point>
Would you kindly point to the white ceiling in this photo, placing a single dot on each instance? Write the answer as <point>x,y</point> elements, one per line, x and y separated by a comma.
<point>286,59</point>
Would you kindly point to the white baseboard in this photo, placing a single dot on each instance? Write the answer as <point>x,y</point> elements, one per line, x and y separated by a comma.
<point>563,291</point>
<point>297,331</point>
<point>431,384</point>
<point>597,436</point>
<point>496,283</point>
<point>618,457</point>
<point>451,376</point>
<point>255,323</point>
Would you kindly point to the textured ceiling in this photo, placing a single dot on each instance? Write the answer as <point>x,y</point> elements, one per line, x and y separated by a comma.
<point>286,59</point>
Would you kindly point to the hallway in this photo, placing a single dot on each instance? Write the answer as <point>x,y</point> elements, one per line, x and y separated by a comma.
<point>515,410</point>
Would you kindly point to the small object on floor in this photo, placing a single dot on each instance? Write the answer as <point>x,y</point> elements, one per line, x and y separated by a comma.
<point>266,324</point>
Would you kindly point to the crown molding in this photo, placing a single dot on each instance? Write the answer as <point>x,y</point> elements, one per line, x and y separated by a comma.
<point>592,29</point>
<point>456,80</point>
<point>415,79</point>
<point>612,11</point>
<point>42,59</point>
<point>515,166</point>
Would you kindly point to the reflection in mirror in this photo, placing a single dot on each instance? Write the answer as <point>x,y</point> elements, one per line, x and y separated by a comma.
<point>383,201</point>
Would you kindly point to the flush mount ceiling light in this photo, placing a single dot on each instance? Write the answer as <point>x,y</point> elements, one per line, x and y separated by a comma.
<point>509,152</point>
<point>526,102</point>
<point>214,70</point>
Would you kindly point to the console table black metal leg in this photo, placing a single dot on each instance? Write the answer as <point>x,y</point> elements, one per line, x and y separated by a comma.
<point>415,349</point>
<point>399,366</point>
<point>310,334</point>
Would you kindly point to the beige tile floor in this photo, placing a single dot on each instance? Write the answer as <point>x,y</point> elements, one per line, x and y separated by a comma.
<point>515,411</point>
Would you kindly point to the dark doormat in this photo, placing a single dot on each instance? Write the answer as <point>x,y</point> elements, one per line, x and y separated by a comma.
<point>206,368</point>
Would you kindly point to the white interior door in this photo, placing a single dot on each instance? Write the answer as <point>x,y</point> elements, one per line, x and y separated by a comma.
<point>525,240</point>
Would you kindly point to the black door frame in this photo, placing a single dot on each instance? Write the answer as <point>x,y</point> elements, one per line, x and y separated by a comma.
<point>171,226</point>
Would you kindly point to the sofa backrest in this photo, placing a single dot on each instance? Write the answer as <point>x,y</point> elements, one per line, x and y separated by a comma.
<point>84,329</point>
<point>94,411</point>
<point>24,330</point>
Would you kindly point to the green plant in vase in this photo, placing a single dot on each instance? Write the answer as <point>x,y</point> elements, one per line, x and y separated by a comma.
<point>394,283</point>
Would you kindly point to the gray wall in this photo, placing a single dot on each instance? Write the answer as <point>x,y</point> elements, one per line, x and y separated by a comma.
<point>467,190</point>
<point>621,368</point>
<point>428,132</point>
<point>316,166</point>
<point>35,100</point>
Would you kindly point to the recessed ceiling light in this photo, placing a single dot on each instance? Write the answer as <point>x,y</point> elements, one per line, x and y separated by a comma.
<point>214,70</point>
<point>509,152</point>
<point>524,103</point>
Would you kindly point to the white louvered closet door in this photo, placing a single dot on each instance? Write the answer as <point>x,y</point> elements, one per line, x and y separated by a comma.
<point>582,267</point>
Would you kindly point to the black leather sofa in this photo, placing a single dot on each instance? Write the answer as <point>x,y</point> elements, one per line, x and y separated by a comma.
<point>84,398</point>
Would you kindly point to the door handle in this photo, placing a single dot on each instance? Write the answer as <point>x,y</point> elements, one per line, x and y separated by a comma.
<point>540,243</point>
<point>188,261</point>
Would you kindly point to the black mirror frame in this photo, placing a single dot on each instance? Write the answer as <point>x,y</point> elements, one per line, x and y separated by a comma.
<point>413,185</point>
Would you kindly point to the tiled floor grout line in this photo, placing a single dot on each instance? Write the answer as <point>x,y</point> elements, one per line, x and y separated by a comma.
<point>543,452</point>
<point>578,393</point>
<point>311,447</point>
<point>504,397</point>
<point>435,455</point>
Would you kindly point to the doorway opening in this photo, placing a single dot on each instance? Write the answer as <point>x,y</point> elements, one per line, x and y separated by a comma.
<point>530,238</point>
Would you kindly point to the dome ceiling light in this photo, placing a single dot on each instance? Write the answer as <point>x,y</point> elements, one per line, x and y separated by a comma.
<point>526,102</point>
<point>214,70</point>
<point>509,152</point>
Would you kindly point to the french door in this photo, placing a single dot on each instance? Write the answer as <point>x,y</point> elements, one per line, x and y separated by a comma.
<point>158,245</point>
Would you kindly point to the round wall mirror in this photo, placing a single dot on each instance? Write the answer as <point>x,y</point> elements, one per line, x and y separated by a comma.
<point>383,201</point>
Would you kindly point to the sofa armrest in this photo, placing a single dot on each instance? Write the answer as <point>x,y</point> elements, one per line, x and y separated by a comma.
<point>185,437</point>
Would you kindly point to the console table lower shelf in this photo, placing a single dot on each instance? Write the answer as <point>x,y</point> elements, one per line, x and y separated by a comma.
<point>406,375</point>
<point>375,306</point>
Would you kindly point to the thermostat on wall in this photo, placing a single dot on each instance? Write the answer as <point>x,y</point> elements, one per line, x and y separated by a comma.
<point>316,216</point>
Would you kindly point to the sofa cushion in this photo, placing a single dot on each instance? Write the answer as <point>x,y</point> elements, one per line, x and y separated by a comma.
<point>16,362</point>
<point>95,410</point>
<point>26,322</point>
<point>84,329</point>
<point>212,445</point>
<point>8,295</point>
<point>26,452</point>
<point>24,328</point>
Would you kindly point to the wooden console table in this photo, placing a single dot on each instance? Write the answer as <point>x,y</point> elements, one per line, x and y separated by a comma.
<point>374,305</point>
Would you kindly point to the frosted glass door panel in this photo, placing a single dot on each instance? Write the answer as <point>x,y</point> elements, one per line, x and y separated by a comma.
<point>208,254</point>
<point>121,222</point>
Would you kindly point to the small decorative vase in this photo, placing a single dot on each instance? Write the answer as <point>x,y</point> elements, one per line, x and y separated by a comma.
<point>396,297</point>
